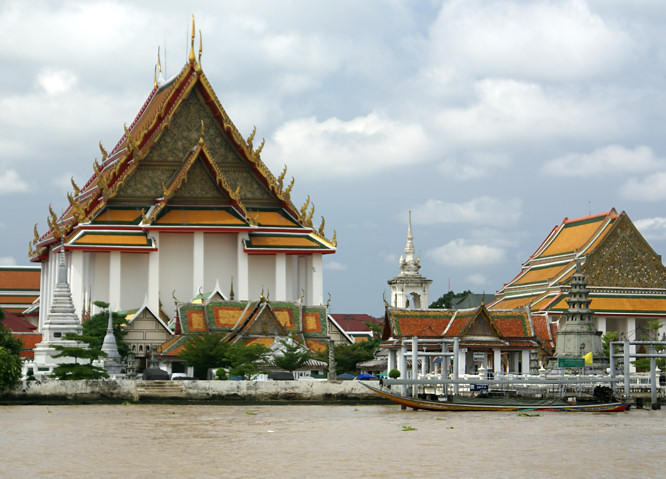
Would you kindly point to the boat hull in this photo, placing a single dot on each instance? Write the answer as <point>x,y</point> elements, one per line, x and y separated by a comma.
<point>452,406</point>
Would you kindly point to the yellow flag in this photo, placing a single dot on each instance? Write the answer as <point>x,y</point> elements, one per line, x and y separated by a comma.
<point>588,358</point>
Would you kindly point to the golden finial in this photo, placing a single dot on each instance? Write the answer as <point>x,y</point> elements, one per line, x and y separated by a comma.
<point>78,212</point>
<point>328,303</point>
<point>104,154</point>
<point>96,167</point>
<point>261,296</point>
<point>76,188</point>
<point>308,220</point>
<point>165,191</point>
<point>386,305</point>
<point>335,239</point>
<point>321,228</point>
<point>52,213</point>
<point>304,208</point>
<point>268,295</point>
<point>173,295</point>
<point>144,220</point>
<point>236,194</point>
<point>192,58</point>
<point>257,153</point>
<point>30,250</point>
<point>159,62</point>
<point>280,179</point>
<point>130,141</point>
<point>201,135</point>
<point>200,50</point>
<point>300,300</point>
<point>35,237</point>
<point>251,137</point>
<point>155,77</point>
<point>201,293</point>
<point>288,190</point>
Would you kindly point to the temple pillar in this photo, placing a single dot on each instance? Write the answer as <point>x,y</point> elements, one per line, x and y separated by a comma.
<point>497,360</point>
<point>601,325</point>
<point>114,280</point>
<point>281,277</point>
<point>242,268</point>
<point>44,292</point>
<point>153,286</point>
<point>316,283</point>
<point>462,361</point>
<point>631,336</point>
<point>76,276</point>
<point>391,361</point>
<point>197,262</point>
<point>525,361</point>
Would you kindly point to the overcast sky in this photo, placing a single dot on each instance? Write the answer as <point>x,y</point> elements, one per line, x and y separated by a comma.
<point>490,121</point>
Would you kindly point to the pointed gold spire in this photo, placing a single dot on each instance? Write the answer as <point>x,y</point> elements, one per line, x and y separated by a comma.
<point>76,188</point>
<point>192,58</point>
<point>104,153</point>
<point>201,135</point>
<point>159,62</point>
<point>335,238</point>
<point>200,51</point>
<point>35,237</point>
<point>321,228</point>
<point>304,208</point>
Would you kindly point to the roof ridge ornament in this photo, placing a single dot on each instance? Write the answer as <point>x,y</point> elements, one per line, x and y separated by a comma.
<point>192,58</point>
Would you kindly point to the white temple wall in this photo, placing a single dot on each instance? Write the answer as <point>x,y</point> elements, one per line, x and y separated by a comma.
<point>134,272</point>
<point>75,279</point>
<point>44,299</point>
<point>291,290</point>
<point>220,252</point>
<point>176,272</point>
<point>99,274</point>
<point>261,275</point>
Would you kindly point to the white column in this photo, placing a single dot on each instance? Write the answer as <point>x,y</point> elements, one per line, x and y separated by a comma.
<point>391,360</point>
<point>242,272</point>
<point>197,262</point>
<point>153,286</point>
<point>462,360</point>
<point>601,325</point>
<point>76,285</point>
<point>317,282</point>
<point>302,277</point>
<point>114,280</point>
<point>43,293</point>
<point>525,362</point>
<point>281,277</point>
<point>497,360</point>
<point>631,336</point>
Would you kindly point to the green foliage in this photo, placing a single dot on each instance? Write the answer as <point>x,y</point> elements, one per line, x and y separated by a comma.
<point>606,340</point>
<point>649,333</point>
<point>95,329</point>
<point>293,356</point>
<point>10,357</point>
<point>80,352</point>
<point>445,301</point>
<point>221,374</point>
<point>209,350</point>
<point>394,374</point>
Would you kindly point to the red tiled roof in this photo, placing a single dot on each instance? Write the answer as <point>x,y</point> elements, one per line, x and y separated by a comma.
<point>17,324</point>
<point>355,322</point>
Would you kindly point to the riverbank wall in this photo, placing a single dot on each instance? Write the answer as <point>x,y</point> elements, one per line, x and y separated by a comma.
<point>229,392</point>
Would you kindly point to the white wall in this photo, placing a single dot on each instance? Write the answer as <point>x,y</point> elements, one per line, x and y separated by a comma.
<point>175,269</point>
<point>134,274</point>
<point>220,254</point>
<point>262,275</point>
<point>99,263</point>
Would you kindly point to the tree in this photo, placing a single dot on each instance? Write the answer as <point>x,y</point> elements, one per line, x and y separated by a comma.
<point>203,352</point>
<point>445,301</point>
<point>606,340</point>
<point>245,361</point>
<point>292,357</point>
<point>10,357</point>
<point>95,329</point>
<point>650,332</point>
<point>80,352</point>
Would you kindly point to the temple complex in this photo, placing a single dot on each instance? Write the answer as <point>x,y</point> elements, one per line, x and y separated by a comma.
<point>626,280</point>
<point>180,205</point>
<point>410,283</point>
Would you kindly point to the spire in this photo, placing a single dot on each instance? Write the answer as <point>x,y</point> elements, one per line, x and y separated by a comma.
<point>192,58</point>
<point>109,346</point>
<point>409,264</point>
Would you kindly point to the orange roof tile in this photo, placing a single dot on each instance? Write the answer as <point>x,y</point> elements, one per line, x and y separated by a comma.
<point>573,234</point>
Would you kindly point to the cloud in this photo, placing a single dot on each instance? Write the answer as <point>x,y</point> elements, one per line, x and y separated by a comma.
<point>476,279</point>
<point>474,166</point>
<point>10,182</point>
<point>483,210</point>
<point>652,228</point>
<point>460,252</point>
<point>611,160</point>
<point>649,188</point>
<point>337,148</point>
<point>335,265</point>
<point>549,41</point>
<point>7,261</point>
<point>56,82</point>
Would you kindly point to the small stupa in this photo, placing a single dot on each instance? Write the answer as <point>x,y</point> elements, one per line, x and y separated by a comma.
<point>112,363</point>
<point>578,336</point>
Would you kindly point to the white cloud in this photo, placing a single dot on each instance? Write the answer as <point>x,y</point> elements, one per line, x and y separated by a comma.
<point>474,166</point>
<point>460,252</point>
<point>483,210</point>
<point>334,265</point>
<point>542,40</point>
<point>10,182</point>
<point>652,187</point>
<point>652,228</point>
<point>611,160</point>
<point>7,261</point>
<point>338,148</point>
<point>55,82</point>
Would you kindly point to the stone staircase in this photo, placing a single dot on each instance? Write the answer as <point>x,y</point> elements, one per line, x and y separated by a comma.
<point>161,389</point>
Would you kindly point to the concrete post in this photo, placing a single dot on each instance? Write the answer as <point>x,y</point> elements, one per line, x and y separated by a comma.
<point>415,365</point>
<point>627,391</point>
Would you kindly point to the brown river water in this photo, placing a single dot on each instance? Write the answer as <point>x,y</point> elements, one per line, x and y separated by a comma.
<point>124,441</point>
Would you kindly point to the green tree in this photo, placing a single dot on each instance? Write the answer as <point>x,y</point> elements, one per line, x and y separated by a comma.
<point>445,301</point>
<point>94,329</point>
<point>204,351</point>
<point>606,340</point>
<point>245,361</point>
<point>650,332</point>
<point>293,356</point>
<point>82,367</point>
<point>10,357</point>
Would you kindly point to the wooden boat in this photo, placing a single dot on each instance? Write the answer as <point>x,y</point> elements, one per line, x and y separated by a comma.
<point>498,404</point>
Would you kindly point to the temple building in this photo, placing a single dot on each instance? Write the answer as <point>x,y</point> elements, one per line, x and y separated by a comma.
<point>410,284</point>
<point>180,205</point>
<point>626,280</point>
<point>19,289</point>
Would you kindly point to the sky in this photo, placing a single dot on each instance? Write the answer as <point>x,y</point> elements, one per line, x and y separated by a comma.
<point>490,121</point>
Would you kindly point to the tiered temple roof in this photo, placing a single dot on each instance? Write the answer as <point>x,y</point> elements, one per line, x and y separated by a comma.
<point>625,275</point>
<point>183,165</point>
<point>19,287</point>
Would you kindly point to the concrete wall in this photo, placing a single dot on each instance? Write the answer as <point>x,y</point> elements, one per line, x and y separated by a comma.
<point>53,391</point>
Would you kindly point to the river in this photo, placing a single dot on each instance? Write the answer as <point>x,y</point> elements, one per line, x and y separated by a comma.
<point>109,441</point>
